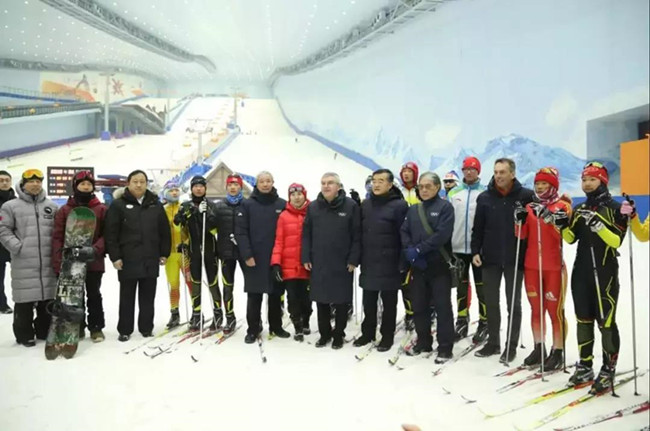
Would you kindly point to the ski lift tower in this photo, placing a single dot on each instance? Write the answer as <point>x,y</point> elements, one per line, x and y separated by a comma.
<point>200,131</point>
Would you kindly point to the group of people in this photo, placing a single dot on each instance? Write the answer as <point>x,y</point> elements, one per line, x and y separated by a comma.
<point>411,238</point>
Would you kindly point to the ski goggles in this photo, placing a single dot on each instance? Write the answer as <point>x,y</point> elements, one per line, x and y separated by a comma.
<point>551,171</point>
<point>31,174</point>
<point>595,165</point>
<point>296,189</point>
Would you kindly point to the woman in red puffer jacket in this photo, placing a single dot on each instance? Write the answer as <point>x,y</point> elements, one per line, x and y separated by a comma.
<point>285,261</point>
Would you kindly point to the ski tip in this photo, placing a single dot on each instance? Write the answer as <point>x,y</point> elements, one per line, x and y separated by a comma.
<point>194,359</point>
<point>447,392</point>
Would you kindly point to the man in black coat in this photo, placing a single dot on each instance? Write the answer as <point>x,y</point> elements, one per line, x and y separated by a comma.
<point>430,277</point>
<point>331,250</point>
<point>6,194</point>
<point>382,215</point>
<point>494,247</point>
<point>190,217</point>
<point>227,251</point>
<point>138,241</point>
<point>255,225</point>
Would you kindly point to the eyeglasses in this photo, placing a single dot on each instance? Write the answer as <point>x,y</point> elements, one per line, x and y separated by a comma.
<point>296,189</point>
<point>32,173</point>
<point>83,175</point>
<point>426,186</point>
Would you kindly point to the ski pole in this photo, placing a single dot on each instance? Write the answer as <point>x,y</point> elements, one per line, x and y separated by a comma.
<point>542,317</point>
<point>204,275</point>
<point>356,301</point>
<point>188,294</point>
<point>514,291</point>
<point>629,237</point>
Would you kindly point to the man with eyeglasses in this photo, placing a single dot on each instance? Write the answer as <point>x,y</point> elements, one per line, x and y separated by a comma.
<point>331,250</point>
<point>426,241</point>
<point>494,246</point>
<point>6,194</point>
<point>26,226</point>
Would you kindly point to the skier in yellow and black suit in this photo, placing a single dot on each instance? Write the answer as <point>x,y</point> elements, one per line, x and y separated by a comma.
<point>599,227</point>
<point>190,217</point>
<point>176,263</point>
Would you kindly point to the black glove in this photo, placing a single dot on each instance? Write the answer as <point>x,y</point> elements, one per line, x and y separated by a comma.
<point>561,219</point>
<point>520,214</point>
<point>276,271</point>
<point>182,247</point>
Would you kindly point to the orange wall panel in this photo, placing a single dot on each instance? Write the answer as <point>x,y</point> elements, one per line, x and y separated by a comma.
<point>635,174</point>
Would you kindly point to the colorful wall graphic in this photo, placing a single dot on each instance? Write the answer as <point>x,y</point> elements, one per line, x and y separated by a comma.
<point>91,86</point>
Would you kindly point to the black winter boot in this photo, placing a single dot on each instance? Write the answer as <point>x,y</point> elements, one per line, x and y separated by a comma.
<point>583,374</point>
<point>481,333</point>
<point>535,357</point>
<point>604,381</point>
<point>462,325</point>
<point>555,360</point>
<point>174,320</point>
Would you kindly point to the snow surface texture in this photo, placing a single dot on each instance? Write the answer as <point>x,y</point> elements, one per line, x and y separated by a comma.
<point>300,387</point>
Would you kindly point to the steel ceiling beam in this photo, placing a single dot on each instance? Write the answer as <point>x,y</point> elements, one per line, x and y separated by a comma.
<point>111,23</point>
<point>386,22</point>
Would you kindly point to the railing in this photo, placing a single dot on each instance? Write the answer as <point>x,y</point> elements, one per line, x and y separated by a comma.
<point>31,110</point>
<point>21,93</point>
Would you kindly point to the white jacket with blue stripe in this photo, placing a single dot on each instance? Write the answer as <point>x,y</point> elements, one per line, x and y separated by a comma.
<point>463,198</point>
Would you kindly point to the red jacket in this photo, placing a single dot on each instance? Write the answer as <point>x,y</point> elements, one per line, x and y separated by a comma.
<point>58,235</point>
<point>551,239</point>
<point>288,239</point>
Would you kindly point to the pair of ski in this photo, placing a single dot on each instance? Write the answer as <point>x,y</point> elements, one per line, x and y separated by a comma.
<point>183,336</point>
<point>531,377</point>
<point>466,351</point>
<point>373,346</point>
<point>583,399</point>
<point>627,411</point>
<point>220,336</point>
<point>158,336</point>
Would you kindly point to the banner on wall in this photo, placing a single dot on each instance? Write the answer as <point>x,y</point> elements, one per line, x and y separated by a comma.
<point>59,180</point>
<point>91,86</point>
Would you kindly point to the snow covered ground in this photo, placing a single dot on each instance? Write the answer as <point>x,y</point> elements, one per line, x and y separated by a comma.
<point>299,387</point>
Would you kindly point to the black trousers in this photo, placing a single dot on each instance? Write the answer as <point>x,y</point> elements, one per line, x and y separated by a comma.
<point>146,290</point>
<point>210,260</point>
<point>299,303</point>
<point>95,307</point>
<point>3,297</point>
<point>228,279</point>
<point>587,308</point>
<point>340,320</point>
<point>389,314</point>
<point>25,326</point>
<point>462,291</point>
<point>254,311</point>
<point>492,288</point>
<point>432,286</point>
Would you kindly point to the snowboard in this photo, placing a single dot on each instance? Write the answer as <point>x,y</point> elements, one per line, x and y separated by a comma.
<point>68,307</point>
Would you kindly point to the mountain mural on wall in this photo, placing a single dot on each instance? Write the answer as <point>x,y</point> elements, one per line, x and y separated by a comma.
<point>528,154</point>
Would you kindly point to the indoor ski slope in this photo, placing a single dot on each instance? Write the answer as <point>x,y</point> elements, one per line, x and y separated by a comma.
<point>300,387</point>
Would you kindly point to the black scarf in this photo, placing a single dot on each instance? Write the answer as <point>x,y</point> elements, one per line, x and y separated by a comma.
<point>265,198</point>
<point>83,198</point>
<point>599,197</point>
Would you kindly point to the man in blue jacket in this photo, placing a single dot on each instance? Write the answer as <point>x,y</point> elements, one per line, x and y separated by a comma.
<point>425,232</point>
<point>494,247</point>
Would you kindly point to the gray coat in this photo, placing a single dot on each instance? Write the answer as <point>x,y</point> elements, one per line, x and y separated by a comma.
<point>26,226</point>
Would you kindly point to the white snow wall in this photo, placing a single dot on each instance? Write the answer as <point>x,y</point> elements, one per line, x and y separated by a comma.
<point>476,71</point>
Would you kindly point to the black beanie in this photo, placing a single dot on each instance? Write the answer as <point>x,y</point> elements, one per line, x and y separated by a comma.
<point>198,179</point>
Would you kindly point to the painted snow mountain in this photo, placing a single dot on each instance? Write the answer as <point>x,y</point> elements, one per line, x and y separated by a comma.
<point>527,153</point>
